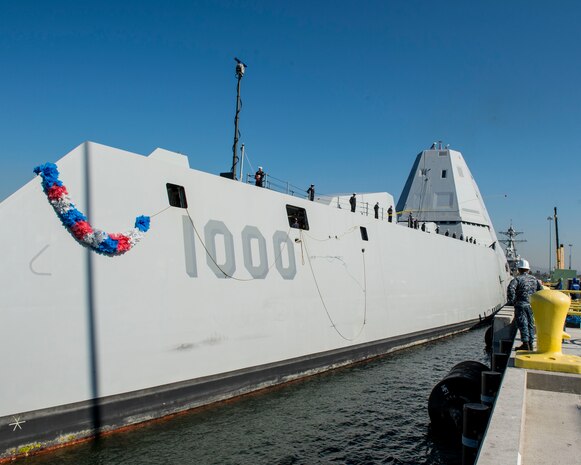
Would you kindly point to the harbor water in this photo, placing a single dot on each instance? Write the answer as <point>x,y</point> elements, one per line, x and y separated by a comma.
<point>371,413</point>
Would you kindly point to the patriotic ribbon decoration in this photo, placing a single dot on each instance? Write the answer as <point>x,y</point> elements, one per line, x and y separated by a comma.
<point>111,244</point>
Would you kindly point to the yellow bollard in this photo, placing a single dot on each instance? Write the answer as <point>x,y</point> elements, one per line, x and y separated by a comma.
<point>550,310</point>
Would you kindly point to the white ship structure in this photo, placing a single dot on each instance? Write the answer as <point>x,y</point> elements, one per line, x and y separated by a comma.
<point>222,295</point>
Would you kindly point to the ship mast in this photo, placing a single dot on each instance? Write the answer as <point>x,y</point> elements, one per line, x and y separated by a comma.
<point>240,68</point>
<point>512,255</point>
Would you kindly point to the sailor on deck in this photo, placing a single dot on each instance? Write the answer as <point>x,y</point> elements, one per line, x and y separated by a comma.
<point>311,192</point>
<point>353,202</point>
<point>259,177</point>
<point>519,292</point>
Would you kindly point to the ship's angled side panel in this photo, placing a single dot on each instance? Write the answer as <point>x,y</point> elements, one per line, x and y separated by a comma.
<point>432,196</point>
<point>411,180</point>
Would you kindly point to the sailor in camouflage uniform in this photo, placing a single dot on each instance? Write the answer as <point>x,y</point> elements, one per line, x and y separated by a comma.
<point>519,291</point>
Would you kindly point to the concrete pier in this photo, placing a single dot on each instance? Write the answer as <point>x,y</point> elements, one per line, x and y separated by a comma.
<point>536,418</point>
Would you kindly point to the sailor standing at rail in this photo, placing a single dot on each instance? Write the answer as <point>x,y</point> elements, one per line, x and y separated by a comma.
<point>519,292</point>
<point>353,202</point>
<point>259,177</point>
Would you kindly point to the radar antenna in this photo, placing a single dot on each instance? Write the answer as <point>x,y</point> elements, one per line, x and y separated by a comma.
<point>240,68</point>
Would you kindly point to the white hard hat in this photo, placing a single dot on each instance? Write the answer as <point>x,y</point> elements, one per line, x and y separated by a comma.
<point>260,167</point>
<point>523,265</point>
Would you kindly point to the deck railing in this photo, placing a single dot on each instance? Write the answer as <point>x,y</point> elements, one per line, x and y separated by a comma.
<point>363,208</point>
<point>285,187</point>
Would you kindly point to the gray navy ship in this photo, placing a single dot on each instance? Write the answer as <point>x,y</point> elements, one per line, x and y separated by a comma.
<point>221,291</point>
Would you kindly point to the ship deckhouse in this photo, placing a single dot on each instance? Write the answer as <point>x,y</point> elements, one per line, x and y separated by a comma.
<point>440,189</point>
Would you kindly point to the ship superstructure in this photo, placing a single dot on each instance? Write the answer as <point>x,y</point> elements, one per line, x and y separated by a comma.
<point>440,189</point>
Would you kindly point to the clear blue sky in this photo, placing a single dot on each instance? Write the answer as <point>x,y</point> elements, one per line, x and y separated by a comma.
<point>341,94</point>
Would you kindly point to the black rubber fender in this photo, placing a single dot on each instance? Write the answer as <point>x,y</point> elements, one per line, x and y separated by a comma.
<point>460,386</point>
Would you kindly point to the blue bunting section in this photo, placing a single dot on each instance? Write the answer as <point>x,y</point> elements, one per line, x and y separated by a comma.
<point>110,244</point>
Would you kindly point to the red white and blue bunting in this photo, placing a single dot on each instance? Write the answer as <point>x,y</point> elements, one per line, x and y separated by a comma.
<point>111,244</point>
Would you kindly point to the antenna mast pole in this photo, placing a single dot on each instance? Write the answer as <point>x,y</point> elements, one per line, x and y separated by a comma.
<point>556,230</point>
<point>240,68</point>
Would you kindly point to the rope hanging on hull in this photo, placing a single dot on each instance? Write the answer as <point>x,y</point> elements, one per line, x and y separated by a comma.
<point>278,257</point>
<point>333,324</point>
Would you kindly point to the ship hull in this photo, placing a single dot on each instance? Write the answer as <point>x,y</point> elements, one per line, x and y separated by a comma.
<point>55,426</point>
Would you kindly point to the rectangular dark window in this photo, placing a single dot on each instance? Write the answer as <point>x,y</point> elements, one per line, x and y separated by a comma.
<point>176,196</point>
<point>297,217</point>
<point>444,174</point>
<point>363,230</point>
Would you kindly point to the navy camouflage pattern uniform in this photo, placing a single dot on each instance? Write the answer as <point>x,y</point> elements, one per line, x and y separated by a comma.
<point>519,292</point>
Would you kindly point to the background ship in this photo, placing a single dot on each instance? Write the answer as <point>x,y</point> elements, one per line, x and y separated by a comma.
<point>222,296</point>
<point>512,256</point>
